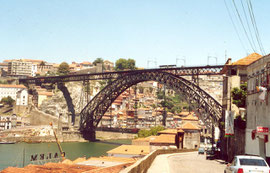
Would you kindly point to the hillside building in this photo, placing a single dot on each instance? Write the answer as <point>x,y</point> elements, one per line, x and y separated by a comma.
<point>19,68</point>
<point>18,93</point>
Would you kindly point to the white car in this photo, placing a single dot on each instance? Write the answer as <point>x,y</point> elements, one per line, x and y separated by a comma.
<point>247,164</point>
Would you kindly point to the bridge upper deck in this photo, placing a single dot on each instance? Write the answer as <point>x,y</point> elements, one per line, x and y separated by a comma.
<point>180,71</point>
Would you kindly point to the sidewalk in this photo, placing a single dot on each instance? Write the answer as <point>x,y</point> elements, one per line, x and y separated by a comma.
<point>161,164</point>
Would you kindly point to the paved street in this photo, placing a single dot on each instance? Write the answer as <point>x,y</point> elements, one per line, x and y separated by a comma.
<point>185,163</point>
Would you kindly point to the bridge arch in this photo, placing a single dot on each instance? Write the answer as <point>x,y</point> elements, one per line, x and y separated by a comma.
<point>97,107</point>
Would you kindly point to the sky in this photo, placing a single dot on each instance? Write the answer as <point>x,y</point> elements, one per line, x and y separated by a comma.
<point>152,32</point>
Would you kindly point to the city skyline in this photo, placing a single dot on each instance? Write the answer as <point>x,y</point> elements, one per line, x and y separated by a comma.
<point>151,32</point>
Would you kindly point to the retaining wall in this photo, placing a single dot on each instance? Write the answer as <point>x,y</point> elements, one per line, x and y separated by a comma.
<point>144,164</point>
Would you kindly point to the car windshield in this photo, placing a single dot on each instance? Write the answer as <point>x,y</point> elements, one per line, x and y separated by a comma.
<point>252,162</point>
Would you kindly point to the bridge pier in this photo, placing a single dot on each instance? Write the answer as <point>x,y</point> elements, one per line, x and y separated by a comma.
<point>63,88</point>
<point>89,135</point>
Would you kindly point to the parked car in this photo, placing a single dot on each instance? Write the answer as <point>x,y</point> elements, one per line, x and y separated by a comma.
<point>201,150</point>
<point>245,163</point>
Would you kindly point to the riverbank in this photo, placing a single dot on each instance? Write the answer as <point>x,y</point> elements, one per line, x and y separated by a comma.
<point>41,134</point>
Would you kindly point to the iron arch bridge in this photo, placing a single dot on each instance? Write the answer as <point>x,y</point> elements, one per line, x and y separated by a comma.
<point>97,107</point>
<point>92,113</point>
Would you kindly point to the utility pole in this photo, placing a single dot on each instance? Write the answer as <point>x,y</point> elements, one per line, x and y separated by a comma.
<point>209,57</point>
<point>183,59</point>
<point>151,61</point>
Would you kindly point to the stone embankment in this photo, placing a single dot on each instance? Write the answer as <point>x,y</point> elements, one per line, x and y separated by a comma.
<point>44,134</point>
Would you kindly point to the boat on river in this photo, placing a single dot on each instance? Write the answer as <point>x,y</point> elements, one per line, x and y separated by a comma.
<point>2,142</point>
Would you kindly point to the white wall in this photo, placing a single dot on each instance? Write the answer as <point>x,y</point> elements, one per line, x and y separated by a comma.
<point>252,146</point>
<point>22,97</point>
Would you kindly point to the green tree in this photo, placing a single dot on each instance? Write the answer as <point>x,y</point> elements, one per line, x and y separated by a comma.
<point>63,68</point>
<point>131,64</point>
<point>125,64</point>
<point>153,131</point>
<point>98,60</point>
<point>239,95</point>
<point>3,82</point>
<point>7,100</point>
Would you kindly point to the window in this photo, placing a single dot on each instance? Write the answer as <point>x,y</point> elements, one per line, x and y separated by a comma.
<point>252,162</point>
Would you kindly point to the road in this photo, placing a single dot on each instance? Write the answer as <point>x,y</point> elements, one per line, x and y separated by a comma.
<point>185,163</point>
<point>193,162</point>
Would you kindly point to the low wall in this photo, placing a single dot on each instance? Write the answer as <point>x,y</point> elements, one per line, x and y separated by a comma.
<point>144,164</point>
<point>114,135</point>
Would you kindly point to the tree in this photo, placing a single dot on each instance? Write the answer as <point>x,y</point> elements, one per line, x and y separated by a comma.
<point>239,95</point>
<point>131,64</point>
<point>123,64</point>
<point>7,100</point>
<point>42,64</point>
<point>152,131</point>
<point>98,60</point>
<point>63,68</point>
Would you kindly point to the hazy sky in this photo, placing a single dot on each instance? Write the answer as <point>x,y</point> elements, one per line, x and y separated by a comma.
<point>145,30</point>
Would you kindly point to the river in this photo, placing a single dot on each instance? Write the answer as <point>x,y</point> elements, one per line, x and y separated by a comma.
<point>17,154</point>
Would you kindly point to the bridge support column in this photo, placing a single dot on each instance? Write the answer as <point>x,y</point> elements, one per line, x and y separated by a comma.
<point>68,99</point>
<point>89,135</point>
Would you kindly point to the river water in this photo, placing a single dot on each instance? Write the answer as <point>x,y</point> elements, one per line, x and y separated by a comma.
<point>20,154</point>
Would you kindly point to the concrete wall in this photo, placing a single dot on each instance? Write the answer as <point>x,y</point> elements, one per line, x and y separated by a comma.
<point>126,155</point>
<point>40,118</point>
<point>191,139</point>
<point>114,135</point>
<point>143,164</point>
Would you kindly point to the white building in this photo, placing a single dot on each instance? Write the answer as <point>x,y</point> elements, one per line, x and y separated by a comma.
<point>9,122</point>
<point>258,119</point>
<point>18,93</point>
<point>34,70</point>
<point>20,68</point>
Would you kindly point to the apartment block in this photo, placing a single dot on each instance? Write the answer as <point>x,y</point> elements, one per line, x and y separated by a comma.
<point>19,68</point>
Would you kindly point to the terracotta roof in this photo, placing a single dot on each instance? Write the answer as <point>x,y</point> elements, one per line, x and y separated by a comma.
<point>168,131</point>
<point>50,167</point>
<point>3,64</point>
<point>164,138</point>
<point>11,86</point>
<point>86,63</point>
<point>45,93</point>
<point>147,139</point>
<point>180,130</point>
<point>106,118</point>
<point>248,59</point>
<point>184,113</point>
<point>189,126</point>
<point>176,117</point>
<point>131,149</point>
<point>190,117</point>
<point>32,60</point>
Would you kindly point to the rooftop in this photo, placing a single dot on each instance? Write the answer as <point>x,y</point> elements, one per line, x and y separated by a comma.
<point>164,138</point>
<point>248,59</point>
<point>11,86</point>
<point>131,149</point>
<point>190,117</point>
<point>168,131</point>
<point>189,126</point>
